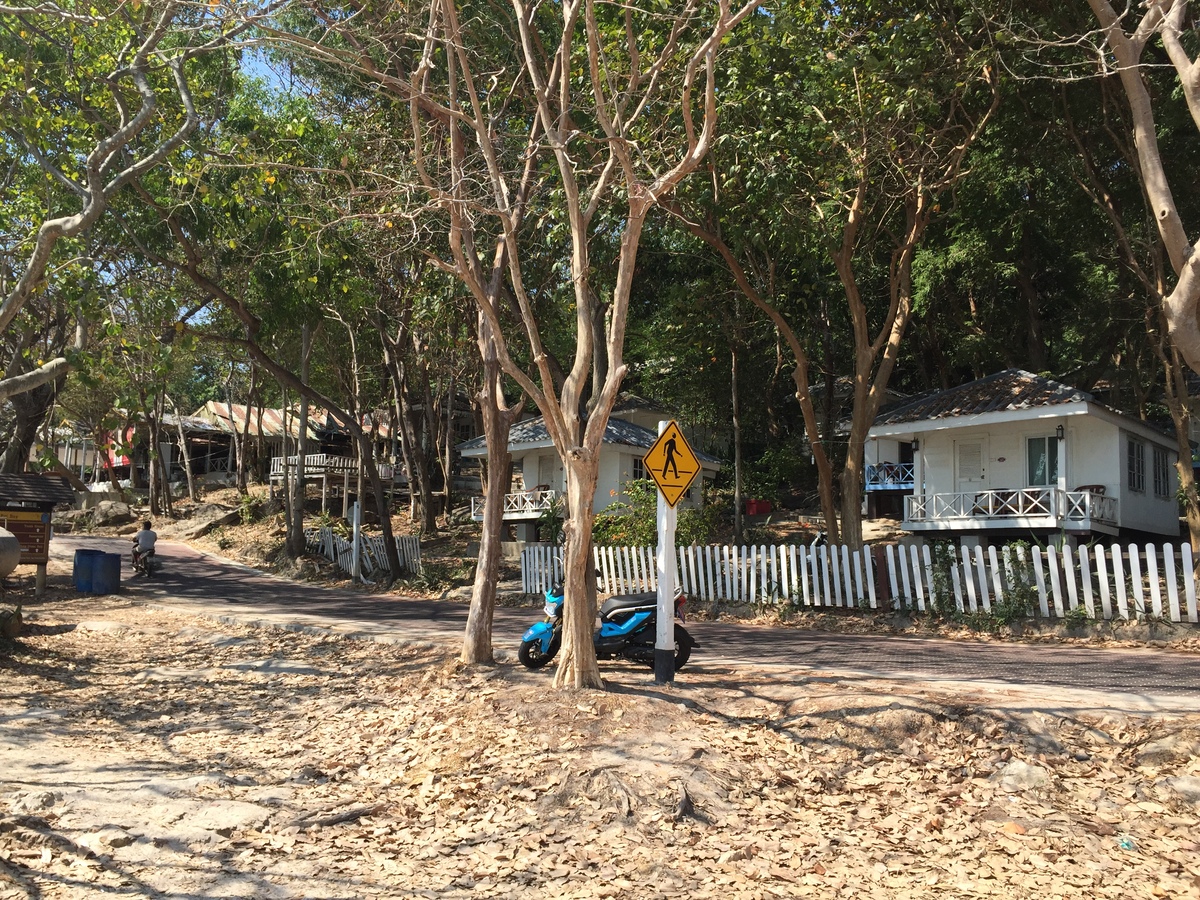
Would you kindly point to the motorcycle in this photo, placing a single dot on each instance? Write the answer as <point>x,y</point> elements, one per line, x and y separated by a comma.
<point>144,563</point>
<point>628,627</point>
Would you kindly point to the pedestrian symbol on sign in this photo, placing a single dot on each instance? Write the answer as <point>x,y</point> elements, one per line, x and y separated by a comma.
<point>672,464</point>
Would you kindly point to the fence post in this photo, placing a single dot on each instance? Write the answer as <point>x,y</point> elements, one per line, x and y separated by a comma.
<point>1152,572</point>
<point>1055,582</point>
<point>1135,577</point>
<point>1102,577</point>
<point>1085,579</point>
<point>1172,584</point>
<point>1119,581</point>
<point>1189,582</point>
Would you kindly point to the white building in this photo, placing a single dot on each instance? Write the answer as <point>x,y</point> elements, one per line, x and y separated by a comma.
<point>538,479</point>
<point>1016,454</point>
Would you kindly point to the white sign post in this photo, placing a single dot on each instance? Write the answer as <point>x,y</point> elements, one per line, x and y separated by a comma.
<point>664,644</point>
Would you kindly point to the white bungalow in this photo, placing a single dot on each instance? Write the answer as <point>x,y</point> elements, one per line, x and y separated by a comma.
<point>1015,454</point>
<point>538,472</point>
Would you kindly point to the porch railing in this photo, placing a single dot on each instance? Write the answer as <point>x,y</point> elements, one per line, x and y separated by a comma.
<point>1027,503</point>
<point>521,505</point>
<point>323,463</point>
<point>890,476</point>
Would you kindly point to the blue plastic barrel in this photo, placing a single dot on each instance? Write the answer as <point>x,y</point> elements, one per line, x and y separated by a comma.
<point>85,562</point>
<point>106,574</point>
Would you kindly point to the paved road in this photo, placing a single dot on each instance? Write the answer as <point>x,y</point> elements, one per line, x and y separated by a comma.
<point>1041,676</point>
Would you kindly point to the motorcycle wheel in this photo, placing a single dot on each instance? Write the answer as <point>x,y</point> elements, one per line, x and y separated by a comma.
<point>531,655</point>
<point>683,647</point>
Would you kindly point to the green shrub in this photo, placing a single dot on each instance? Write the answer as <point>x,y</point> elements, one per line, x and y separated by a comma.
<point>633,522</point>
<point>247,508</point>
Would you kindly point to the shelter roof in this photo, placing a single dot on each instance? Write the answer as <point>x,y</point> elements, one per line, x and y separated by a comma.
<point>533,433</point>
<point>230,416</point>
<point>47,490</point>
<point>1010,390</point>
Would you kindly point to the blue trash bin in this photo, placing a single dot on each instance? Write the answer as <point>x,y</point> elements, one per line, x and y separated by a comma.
<point>106,574</point>
<point>85,562</point>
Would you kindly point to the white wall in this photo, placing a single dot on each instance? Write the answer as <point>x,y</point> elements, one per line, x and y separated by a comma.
<point>1142,509</point>
<point>1094,454</point>
<point>881,450</point>
<point>937,452</point>
<point>532,468</point>
<point>610,478</point>
<point>1091,449</point>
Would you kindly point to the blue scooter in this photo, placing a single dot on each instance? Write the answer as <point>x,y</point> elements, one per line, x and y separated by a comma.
<point>628,626</point>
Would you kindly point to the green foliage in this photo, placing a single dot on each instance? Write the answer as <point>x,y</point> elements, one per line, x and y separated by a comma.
<point>339,526</point>
<point>1077,617</point>
<point>550,523</point>
<point>633,522</point>
<point>943,558</point>
<point>778,472</point>
<point>247,508</point>
<point>440,576</point>
<point>1017,601</point>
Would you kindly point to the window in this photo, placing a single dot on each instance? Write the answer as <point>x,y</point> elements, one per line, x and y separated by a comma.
<point>1041,454</point>
<point>1162,476</point>
<point>1135,468</point>
<point>639,468</point>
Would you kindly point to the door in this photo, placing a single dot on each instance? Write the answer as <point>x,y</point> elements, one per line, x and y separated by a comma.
<point>970,474</point>
<point>550,472</point>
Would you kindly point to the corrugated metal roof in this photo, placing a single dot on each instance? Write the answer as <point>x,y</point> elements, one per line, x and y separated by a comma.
<point>192,424</point>
<point>618,431</point>
<point>1012,389</point>
<point>228,416</point>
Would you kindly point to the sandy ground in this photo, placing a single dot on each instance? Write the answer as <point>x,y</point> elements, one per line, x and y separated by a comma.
<point>154,754</point>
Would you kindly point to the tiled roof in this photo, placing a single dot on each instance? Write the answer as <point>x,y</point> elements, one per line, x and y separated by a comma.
<point>47,489</point>
<point>1012,389</point>
<point>618,431</point>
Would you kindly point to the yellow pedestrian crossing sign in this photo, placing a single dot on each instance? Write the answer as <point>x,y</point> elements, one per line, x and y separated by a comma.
<point>672,464</point>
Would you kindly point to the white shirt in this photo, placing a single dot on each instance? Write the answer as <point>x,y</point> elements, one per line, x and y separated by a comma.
<point>145,539</point>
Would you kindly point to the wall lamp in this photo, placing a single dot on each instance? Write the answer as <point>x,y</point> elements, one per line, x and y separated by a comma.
<point>1059,432</point>
<point>916,444</point>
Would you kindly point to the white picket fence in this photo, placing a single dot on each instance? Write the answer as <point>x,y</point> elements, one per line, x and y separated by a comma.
<point>372,552</point>
<point>1107,582</point>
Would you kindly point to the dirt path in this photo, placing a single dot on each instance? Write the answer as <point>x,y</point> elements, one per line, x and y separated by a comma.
<point>151,753</point>
<point>1058,676</point>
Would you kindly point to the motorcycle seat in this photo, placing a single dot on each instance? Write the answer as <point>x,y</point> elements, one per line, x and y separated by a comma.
<point>628,601</point>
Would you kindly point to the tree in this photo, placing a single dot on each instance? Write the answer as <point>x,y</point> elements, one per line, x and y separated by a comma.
<point>1127,43</point>
<point>593,111</point>
<point>861,115</point>
<point>94,102</point>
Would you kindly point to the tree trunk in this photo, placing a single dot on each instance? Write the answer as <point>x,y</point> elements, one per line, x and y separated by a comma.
<point>447,458</point>
<point>31,409</point>
<point>286,468</point>
<point>577,666</point>
<point>295,529</point>
<point>1179,404</point>
<point>415,457</point>
<point>159,464</point>
<point>738,534</point>
<point>187,456</point>
<point>497,420</point>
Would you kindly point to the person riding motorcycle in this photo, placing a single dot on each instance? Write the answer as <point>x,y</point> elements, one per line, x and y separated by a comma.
<point>143,542</point>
